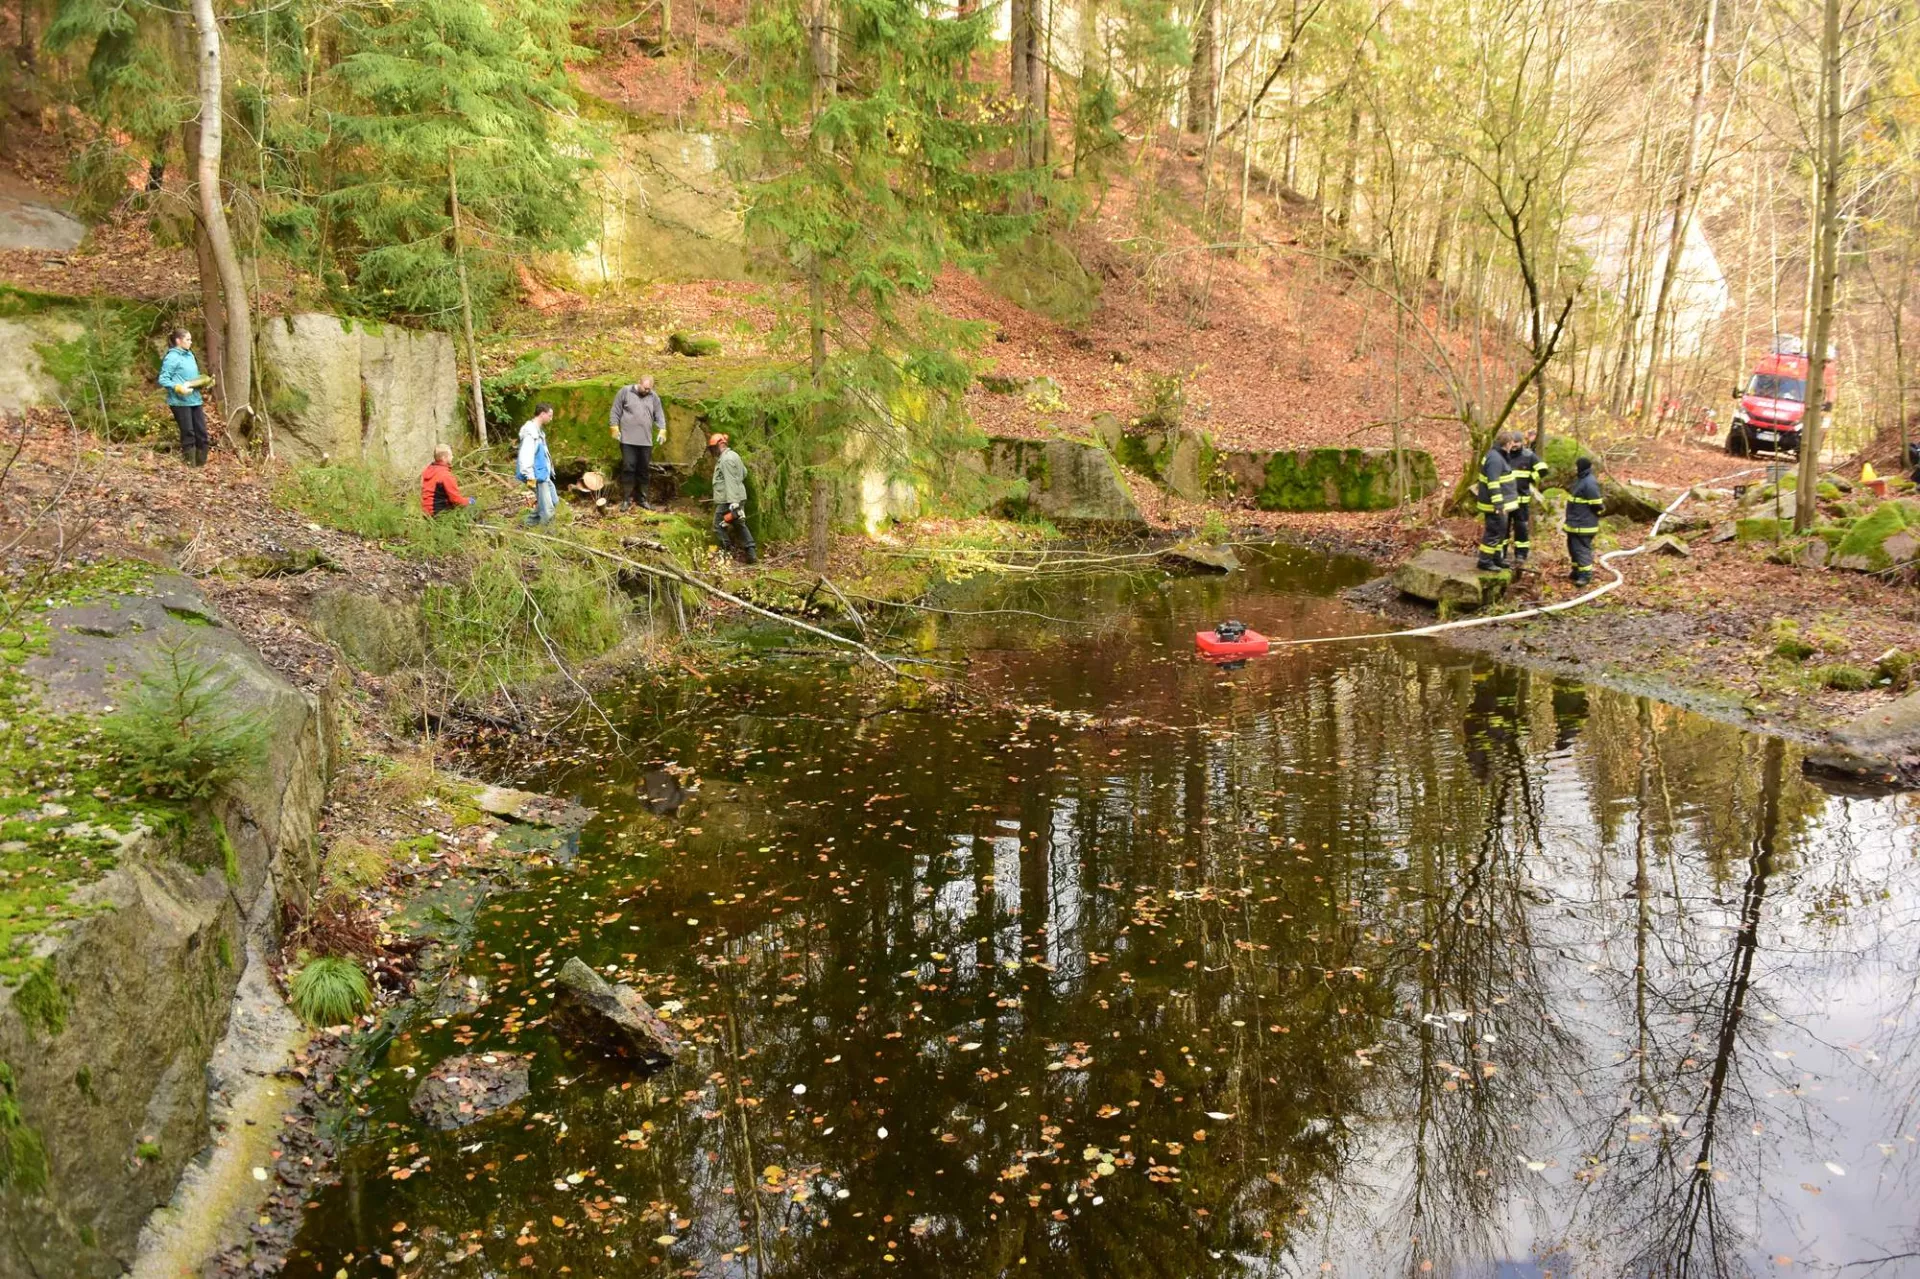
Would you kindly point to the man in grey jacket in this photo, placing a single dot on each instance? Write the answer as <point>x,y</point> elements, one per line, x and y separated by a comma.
<point>638,421</point>
<point>730,497</point>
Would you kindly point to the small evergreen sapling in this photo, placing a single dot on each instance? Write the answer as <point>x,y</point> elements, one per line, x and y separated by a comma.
<point>178,731</point>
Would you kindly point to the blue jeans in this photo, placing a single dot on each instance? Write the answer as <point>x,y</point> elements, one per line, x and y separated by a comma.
<point>545,498</point>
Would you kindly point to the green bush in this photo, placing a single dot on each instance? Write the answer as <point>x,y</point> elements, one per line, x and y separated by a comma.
<point>1846,679</point>
<point>349,497</point>
<point>330,991</point>
<point>177,730</point>
<point>98,372</point>
<point>497,623</point>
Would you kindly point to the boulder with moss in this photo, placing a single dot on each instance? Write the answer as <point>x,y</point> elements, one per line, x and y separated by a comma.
<point>119,985</point>
<point>1450,581</point>
<point>1330,479</point>
<point>1067,481</point>
<point>1887,536</point>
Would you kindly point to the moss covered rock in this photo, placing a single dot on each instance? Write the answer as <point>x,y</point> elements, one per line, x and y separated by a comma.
<point>1041,274</point>
<point>1328,479</point>
<point>106,1042</point>
<point>1886,536</point>
<point>1069,481</point>
<point>1451,582</point>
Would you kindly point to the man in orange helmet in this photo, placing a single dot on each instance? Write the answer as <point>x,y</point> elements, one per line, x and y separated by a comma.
<point>730,497</point>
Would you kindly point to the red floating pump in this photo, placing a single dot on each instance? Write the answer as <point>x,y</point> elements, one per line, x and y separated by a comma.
<point>1230,639</point>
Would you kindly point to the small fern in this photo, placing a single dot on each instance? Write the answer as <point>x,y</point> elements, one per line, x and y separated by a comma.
<point>330,991</point>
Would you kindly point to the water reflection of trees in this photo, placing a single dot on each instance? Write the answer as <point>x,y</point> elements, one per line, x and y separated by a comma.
<point>1383,912</point>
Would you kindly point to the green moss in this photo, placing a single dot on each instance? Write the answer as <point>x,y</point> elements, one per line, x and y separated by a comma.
<point>20,304</point>
<point>23,1156</point>
<point>1827,491</point>
<point>690,344</point>
<point>40,1001</point>
<point>1895,667</point>
<point>223,951</point>
<point>83,1082</point>
<point>1864,545</point>
<point>1758,528</point>
<point>1341,480</point>
<point>64,806</point>
<point>1562,454</point>
<point>229,855</point>
<point>147,1151</point>
<point>1794,649</point>
<point>1846,679</point>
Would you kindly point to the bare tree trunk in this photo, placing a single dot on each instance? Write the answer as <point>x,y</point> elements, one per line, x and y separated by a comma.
<point>233,287</point>
<point>1206,66</point>
<point>466,307</point>
<point>1682,211</point>
<point>1826,265</point>
<point>211,308</point>
<point>823,41</point>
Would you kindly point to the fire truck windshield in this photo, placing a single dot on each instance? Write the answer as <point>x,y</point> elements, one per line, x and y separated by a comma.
<point>1773,386</point>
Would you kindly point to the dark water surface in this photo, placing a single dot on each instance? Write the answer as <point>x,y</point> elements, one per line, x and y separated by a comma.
<point>1362,960</point>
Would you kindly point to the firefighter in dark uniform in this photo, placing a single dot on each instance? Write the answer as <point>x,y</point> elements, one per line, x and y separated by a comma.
<point>1495,497</point>
<point>1583,521</point>
<point>1529,472</point>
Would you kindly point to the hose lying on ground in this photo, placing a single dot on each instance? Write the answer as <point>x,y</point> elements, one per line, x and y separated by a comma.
<point>1606,562</point>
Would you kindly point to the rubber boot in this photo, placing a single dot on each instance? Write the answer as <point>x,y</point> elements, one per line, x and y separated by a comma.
<point>200,455</point>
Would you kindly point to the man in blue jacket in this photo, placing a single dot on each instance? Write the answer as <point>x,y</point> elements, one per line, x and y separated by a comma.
<point>534,465</point>
<point>180,375</point>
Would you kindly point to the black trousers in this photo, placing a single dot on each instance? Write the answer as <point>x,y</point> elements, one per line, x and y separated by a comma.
<point>1580,551</point>
<point>723,528</point>
<point>192,421</point>
<point>636,466</point>
<point>1493,541</point>
<point>1522,525</point>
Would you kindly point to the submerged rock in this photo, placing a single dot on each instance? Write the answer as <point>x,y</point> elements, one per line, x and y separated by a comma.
<point>1200,557</point>
<point>1880,745</point>
<point>464,1090</point>
<point>1449,580</point>
<point>535,810</point>
<point>612,1019</point>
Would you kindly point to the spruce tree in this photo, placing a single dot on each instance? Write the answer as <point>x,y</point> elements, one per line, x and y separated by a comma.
<point>434,94</point>
<point>881,162</point>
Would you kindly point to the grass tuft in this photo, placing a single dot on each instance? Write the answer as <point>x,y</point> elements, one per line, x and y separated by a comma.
<point>330,991</point>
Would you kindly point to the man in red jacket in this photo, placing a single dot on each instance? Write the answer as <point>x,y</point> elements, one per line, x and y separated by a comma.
<point>439,491</point>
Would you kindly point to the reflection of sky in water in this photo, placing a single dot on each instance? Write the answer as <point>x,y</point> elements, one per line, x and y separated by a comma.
<point>1476,965</point>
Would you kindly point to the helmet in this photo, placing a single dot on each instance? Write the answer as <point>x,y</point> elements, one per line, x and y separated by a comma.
<point>717,440</point>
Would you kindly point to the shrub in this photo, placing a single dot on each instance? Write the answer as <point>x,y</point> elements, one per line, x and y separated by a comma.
<point>178,731</point>
<point>498,623</point>
<point>330,991</point>
<point>1165,401</point>
<point>1213,528</point>
<point>1846,679</point>
<point>97,372</point>
<point>349,497</point>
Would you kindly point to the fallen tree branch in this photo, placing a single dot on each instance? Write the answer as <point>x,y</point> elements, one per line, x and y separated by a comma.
<point>677,575</point>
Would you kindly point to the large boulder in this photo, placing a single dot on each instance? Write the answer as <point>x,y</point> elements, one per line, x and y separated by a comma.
<point>664,208</point>
<point>1184,461</point>
<point>107,1062</point>
<point>355,391</point>
<point>29,321</point>
<point>1448,580</point>
<point>1329,479</point>
<point>1880,745</point>
<point>1886,536</point>
<point>613,1020</point>
<point>1631,501</point>
<point>1070,481</point>
<point>374,633</point>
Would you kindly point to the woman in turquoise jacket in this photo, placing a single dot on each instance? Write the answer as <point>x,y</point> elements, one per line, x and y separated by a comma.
<point>180,375</point>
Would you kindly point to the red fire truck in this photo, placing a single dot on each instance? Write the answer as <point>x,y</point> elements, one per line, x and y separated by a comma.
<point>1773,404</point>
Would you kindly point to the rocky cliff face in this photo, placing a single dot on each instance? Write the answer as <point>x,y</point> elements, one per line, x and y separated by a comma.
<point>358,392</point>
<point>106,1044</point>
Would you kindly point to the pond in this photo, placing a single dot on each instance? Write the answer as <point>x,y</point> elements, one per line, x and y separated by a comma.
<point>1359,960</point>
